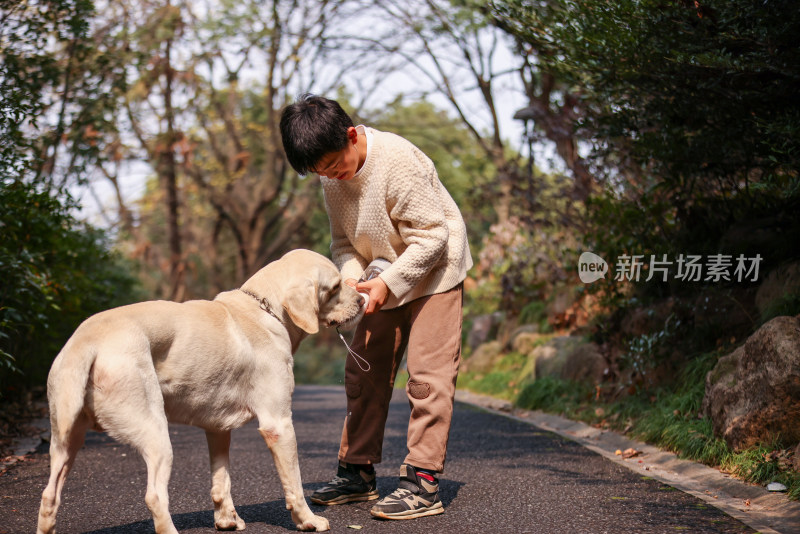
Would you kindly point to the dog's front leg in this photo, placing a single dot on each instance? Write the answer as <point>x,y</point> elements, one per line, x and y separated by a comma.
<point>225,516</point>
<point>280,437</point>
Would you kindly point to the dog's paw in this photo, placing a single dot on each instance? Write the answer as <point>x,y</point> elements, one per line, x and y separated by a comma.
<point>316,523</point>
<point>230,523</point>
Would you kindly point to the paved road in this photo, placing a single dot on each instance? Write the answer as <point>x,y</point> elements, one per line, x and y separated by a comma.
<point>503,476</point>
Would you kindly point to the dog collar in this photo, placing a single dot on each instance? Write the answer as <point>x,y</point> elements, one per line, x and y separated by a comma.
<point>263,304</point>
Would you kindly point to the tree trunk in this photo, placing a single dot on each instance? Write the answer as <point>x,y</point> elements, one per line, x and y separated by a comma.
<point>167,171</point>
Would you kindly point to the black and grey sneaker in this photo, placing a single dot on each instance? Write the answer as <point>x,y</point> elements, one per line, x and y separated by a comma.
<point>350,484</point>
<point>414,497</point>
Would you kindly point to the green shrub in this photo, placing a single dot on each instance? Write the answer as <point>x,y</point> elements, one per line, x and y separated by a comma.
<point>56,273</point>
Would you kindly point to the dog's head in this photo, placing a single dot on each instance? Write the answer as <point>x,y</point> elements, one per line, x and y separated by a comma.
<point>313,292</point>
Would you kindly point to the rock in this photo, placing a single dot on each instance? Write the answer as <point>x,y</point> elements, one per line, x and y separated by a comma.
<point>552,356</point>
<point>525,342</point>
<point>780,282</point>
<point>569,358</point>
<point>776,486</point>
<point>483,328</point>
<point>483,358</point>
<point>753,394</point>
<point>796,459</point>
<point>585,364</point>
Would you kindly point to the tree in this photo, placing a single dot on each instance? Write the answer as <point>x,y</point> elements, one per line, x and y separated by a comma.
<point>56,271</point>
<point>698,95</point>
<point>452,52</point>
<point>52,91</point>
<point>203,97</point>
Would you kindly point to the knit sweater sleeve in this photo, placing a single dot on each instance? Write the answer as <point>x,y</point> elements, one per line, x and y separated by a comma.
<point>350,263</point>
<point>420,220</point>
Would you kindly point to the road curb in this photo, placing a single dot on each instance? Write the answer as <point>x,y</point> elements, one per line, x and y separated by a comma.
<point>768,513</point>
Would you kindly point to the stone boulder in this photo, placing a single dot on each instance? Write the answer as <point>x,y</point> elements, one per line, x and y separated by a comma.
<point>569,358</point>
<point>526,341</point>
<point>585,363</point>
<point>483,358</point>
<point>483,328</point>
<point>753,394</point>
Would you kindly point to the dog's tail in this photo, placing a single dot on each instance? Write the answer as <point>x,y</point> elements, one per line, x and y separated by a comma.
<point>66,393</point>
<point>66,386</point>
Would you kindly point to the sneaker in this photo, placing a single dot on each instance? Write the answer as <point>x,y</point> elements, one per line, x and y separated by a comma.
<point>350,484</point>
<point>414,497</point>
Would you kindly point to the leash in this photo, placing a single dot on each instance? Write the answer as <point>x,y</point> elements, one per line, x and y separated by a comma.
<point>357,357</point>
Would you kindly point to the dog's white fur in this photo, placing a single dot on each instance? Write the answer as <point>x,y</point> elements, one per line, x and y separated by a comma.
<point>213,364</point>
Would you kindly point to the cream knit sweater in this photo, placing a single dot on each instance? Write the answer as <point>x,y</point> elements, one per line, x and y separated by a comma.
<point>397,209</point>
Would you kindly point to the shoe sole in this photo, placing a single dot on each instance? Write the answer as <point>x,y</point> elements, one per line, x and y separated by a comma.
<point>434,509</point>
<point>344,499</point>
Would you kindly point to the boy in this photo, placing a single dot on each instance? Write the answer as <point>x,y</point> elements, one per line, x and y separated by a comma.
<point>384,200</point>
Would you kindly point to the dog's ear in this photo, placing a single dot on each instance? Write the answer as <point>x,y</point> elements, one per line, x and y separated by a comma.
<point>302,305</point>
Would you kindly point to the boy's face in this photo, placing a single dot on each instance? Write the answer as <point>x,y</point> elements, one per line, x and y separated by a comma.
<point>341,165</point>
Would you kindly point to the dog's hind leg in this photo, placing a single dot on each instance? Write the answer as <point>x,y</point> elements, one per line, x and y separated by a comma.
<point>280,437</point>
<point>65,442</point>
<point>150,435</point>
<point>225,516</point>
<point>129,405</point>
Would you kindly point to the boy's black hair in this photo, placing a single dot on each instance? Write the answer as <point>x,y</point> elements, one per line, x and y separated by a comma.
<point>311,128</point>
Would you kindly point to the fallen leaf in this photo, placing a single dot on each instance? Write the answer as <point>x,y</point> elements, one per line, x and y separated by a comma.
<point>618,452</point>
<point>355,527</point>
<point>630,453</point>
<point>747,502</point>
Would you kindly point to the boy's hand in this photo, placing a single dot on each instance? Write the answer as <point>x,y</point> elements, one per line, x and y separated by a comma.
<point>378,293</point>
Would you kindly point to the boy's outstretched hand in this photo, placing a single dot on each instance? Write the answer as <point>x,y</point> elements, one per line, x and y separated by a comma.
<point>378,293</point>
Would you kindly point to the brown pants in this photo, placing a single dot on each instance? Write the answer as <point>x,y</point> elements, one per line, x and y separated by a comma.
<point>431,329</point>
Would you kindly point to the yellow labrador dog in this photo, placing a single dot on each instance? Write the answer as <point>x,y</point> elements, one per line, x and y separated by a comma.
<point>213,364</point>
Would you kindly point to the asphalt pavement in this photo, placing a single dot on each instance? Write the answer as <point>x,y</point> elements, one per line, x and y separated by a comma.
<point>502,476</point>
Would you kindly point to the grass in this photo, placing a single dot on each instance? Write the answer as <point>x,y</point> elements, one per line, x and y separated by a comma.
<point>505,380</point>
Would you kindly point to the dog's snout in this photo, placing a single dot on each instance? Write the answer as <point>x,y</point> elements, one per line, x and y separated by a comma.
<point>361,300</point>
